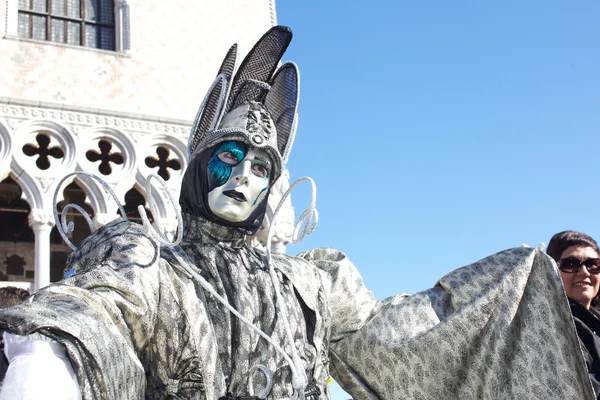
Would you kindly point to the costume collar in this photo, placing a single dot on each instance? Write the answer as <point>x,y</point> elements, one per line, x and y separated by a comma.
<point>199,230</point>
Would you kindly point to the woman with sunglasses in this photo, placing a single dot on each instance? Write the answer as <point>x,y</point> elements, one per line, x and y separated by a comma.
<point>578,259</point>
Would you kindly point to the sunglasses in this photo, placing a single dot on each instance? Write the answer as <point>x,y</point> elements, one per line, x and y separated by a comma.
<point>571,265</point>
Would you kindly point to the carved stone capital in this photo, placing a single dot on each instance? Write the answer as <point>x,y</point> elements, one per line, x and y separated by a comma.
<point>39,219</point>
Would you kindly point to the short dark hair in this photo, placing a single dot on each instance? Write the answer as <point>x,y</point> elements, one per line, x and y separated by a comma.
<point>11,296</point>
<point>563,240</point>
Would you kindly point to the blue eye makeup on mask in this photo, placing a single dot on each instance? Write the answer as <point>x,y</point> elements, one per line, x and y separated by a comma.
<point>220,171</point>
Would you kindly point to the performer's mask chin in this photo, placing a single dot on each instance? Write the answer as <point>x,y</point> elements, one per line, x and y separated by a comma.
<point>239,177</point>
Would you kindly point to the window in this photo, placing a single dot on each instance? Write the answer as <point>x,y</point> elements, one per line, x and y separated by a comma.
<point>89,23</point>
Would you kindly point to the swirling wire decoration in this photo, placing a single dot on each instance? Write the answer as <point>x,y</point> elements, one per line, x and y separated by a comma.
<point>61,224</point>
<point>160,235</point>
<point>308,221</point>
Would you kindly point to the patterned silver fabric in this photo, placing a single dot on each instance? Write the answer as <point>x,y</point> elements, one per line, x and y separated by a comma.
<point>500,328</point>
<point>135,324</point>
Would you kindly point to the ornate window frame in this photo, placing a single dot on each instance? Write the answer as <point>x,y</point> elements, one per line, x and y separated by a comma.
<point>121,26</point>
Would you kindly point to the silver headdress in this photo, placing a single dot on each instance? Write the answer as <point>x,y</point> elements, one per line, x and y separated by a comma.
<point>258,106</point>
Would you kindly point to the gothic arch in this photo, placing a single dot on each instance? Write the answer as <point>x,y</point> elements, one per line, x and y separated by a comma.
<point>74,193</point>
<point>157,154</point>
<point>39,168</point>
<point>16,236</point>
<point>111,155</point>
<point>135,196</point>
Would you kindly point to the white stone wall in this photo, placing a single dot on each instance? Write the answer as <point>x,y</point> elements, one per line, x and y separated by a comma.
<point>176,49</point>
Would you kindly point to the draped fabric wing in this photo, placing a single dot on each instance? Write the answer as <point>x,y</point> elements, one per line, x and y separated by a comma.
<point>500,328</point>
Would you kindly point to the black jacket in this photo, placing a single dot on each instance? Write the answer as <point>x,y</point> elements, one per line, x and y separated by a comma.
<point>587,323</point>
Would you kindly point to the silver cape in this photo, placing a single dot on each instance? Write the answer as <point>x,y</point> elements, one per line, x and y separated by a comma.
<point>136,325</point>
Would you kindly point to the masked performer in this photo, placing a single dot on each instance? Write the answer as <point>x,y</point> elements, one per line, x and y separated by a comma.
<point>134,320</point>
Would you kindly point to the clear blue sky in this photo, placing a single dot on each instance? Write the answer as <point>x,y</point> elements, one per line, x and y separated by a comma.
<point>441,132</point>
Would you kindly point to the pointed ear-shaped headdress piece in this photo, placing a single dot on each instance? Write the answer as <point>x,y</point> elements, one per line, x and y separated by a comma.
<point>257,106</point>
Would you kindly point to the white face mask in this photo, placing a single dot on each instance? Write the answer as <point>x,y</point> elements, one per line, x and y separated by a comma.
<point>245,187</point>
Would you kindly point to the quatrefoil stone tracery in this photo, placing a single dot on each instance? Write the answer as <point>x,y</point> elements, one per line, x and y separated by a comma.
<point>163,163</point>
<point>43,151</point>
<point>106,157</point>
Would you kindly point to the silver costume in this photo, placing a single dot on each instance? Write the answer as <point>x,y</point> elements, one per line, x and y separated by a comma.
<point>136,323</point>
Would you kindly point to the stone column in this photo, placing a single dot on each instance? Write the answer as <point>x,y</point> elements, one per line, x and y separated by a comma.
<point>41,221</point>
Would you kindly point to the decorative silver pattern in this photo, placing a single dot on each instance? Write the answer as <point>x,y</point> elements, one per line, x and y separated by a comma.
<point>135,323</point>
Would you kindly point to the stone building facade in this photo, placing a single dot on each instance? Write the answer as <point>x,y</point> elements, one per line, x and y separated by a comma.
<point>108,87</point>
